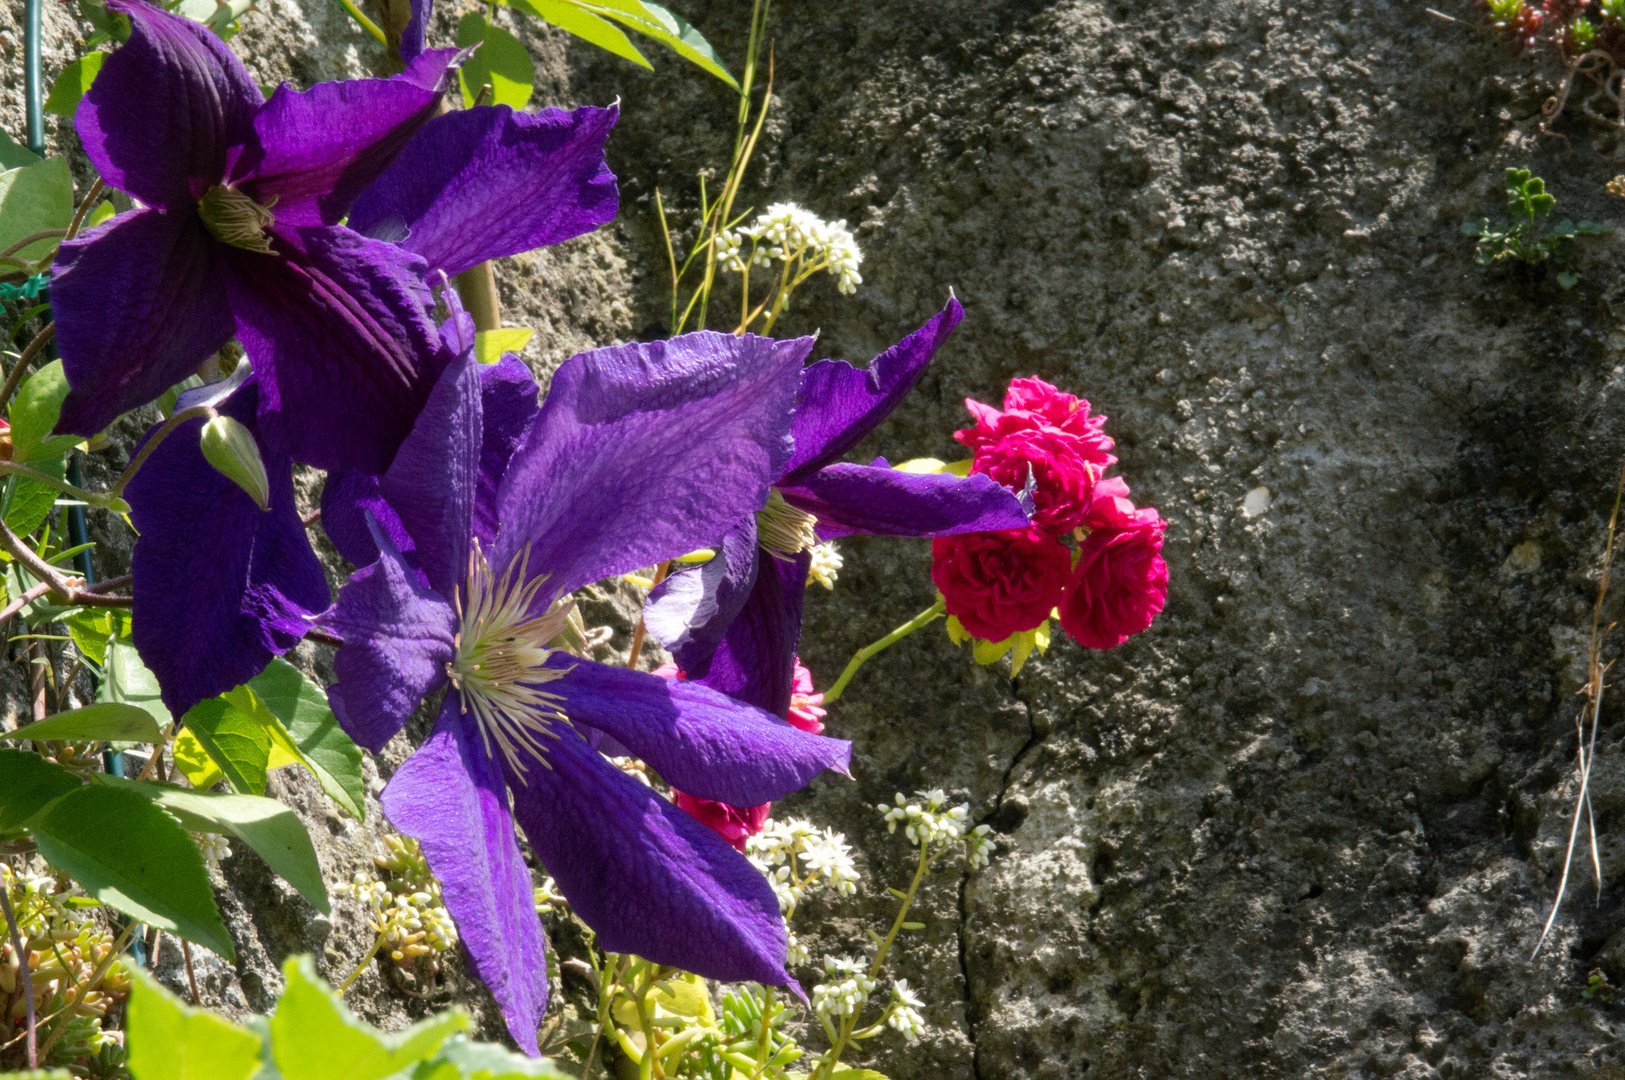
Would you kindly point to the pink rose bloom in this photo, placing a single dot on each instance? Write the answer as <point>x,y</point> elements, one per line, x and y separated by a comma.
<point>732,823</point>
<point>1000,583</point>
<point>1051,437</point>
<point>1120,582</point>
<point>806,707</point>
<point>1111,508</point>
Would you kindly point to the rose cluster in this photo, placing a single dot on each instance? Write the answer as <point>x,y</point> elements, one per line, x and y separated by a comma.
<point>1090,557</point>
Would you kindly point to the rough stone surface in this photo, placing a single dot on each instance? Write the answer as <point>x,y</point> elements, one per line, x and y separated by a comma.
<point>1312,822</point>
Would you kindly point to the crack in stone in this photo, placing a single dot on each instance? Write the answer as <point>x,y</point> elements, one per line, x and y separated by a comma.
<point>971,1019</point>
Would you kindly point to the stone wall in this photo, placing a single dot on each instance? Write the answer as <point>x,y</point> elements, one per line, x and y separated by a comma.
<point>1311,823</point>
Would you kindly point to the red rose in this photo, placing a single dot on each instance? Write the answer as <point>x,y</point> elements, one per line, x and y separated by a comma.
<point>1063,469</point>
<point>1049,436</point>
<point>1119,585</point>
<point>1000,583</point>
<point>732,823</point>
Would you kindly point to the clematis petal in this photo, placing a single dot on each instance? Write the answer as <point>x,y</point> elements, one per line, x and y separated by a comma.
<point>166,108</point>
<point>487,182</point>
<point>645,875</point>
<point>139,303</point>
<point>452,799</point>
<point>756,662</point>
<point>313,151</point>
<point>221,586</point>
<point>710,410</point>
<point>509,400</point>
<point>880,500</point>
<point>398,637</point>
<point>412,38</point>
<point>348,498</point>
<point>690,611</point>
<point>432,482</point>
<point>339,330</point>
<point>697,739</point>
<point>840,404</point>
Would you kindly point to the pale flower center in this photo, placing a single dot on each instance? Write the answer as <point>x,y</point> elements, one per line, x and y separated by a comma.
<point>233,218</point>
<point>501,659</point>
<point>784,530</point>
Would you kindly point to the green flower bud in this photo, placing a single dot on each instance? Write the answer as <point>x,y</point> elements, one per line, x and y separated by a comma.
<point>230,448</point>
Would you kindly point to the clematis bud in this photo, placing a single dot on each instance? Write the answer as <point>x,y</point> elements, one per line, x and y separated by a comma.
<point>231,449</point>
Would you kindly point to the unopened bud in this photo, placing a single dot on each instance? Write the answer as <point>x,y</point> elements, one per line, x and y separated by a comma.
<point>230,448</point>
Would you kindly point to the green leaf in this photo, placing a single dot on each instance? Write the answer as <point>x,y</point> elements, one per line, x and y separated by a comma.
<point>34,413</point>
<point>31,501</point>
<point>490,345</point>
<point>501,60</point>
<point>584,25</point>
<point>302,708</point>
<point>274,832</point>
<point>194,762</point>
<point>315,1037</point>
<point>108,722</point>
<point>27,784</point>
<point>73,83</point>
<point>856,1074</point>
<point>103,211</point>
<point>14,155</point>
<point>1568,279</point>
<point>92,628</point>
<point>668,28</point>
<point>32,199</point>
<point>460,1059</point>
<point>126,679</point>
<point>168,1041</point>
<point>129,854</point>
<point>235,741</point>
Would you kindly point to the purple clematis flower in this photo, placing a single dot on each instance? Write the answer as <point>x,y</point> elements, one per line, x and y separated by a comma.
<point>238,234</point>
<point>494,510</point>
<point>472,185</point>
<point>734,622</point>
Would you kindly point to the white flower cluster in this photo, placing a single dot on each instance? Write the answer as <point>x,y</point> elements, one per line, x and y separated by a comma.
<point>926,823</point>
<point>826,565</point>
<point>797,955</point>
<point>795,855</point>
<point>845,996</point>
<point>905,1017</point>
<point>407,910</point>
<point>785,231</point>
<point>214,848</point>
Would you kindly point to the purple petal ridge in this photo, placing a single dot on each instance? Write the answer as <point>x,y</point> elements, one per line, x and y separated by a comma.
<point>451,798</point>
<point>756,662</point>
<point>840,404</point>
<point>692,609</point>
<point>207,624</point>
<point>880,500</point>
<point>713,410</point>
<point>487,182</point>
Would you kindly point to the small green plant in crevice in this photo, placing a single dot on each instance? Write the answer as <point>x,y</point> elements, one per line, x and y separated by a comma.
<point>1523,238</point>
<point>1598,988</point>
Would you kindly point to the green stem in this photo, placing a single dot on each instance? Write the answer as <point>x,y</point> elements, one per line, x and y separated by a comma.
<point>930,614</point>
<point>646,1066</point>
<point>359,968</point>
<point>366,24</point>
<point>826,1067</point>
<point>90,497</point>
<point>152,444</point>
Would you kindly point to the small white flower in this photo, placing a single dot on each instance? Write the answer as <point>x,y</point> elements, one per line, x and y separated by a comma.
<point>826,565</point>
<point>214,848</point>
<point>906,1018</point>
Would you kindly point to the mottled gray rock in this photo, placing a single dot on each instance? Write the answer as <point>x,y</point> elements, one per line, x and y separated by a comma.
<point>1311,823</point>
